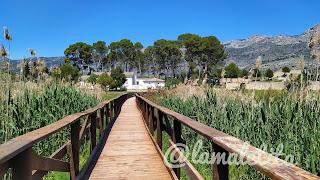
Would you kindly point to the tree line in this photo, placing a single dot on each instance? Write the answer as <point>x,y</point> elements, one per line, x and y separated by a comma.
<point>164,57</point>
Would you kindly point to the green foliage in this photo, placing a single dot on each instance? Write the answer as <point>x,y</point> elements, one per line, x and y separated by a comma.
<point>118,76</point>
<point>244,73</point>
<point>79,51</point>
<point>168,55</point>
<point>204,51</point>
<point>286,69</point>
<point>232,71</point>
<point>171,82</point>
<point>106,81</point>
<point>31,110</point>
<point>69,72</point>
<point>123,51</point>
<point>93,79</point>
<point>269,73</point>
<point>272,121</point>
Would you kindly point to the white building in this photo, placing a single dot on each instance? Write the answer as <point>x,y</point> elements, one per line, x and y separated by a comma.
<point>134,83</point>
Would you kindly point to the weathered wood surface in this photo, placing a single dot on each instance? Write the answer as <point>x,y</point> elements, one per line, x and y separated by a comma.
<point>129,152</point>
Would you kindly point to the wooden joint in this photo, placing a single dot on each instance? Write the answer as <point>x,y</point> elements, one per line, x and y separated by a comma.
<point>48,164</point>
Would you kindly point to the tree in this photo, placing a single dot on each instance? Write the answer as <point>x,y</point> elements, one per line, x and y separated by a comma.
<point>190,44</point>
<point>269,73</point>
<point>100,49</point>
<point>138,57</point>
<point>244,73</point>
<point>118,76</point>
<point>123,50</point>
<point>69,72</point>
<point>93,79</point>
<point>168,55</point>
<point>150,58</point>
<point>105,81</point>
<point>212,52</point>
<point>232,71</point>
<point>78,52</point>
<point>204,51</point>
<point>286,69</point>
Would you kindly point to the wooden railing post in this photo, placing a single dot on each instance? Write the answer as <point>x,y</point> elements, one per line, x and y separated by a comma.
<point>107,114</point>
<point>151,122</point>
<point>111,110</point>
<point>22,165</point>
<point>101,121</point>
<point>219,171</point>
<point>159,129</point>
<point>146,114</point>
<point>93,128</point>
<point>75,144</point>
<point>177,139</point>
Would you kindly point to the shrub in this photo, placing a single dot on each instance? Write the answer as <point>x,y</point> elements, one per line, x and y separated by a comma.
<point>232,71</point>
<point>244,73</point>
<point>286,69</point>
<point>269,73</point>
<point>93,79</point>
<point>69,72</point>
<point>172,82</point>
<point>119,78</point>
<point>105,81</point>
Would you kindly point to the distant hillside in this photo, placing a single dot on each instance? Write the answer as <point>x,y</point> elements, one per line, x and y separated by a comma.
<point>276,51</point>
<point>50,62</point>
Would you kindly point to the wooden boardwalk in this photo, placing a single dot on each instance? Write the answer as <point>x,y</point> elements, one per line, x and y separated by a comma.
<point>129,152</point>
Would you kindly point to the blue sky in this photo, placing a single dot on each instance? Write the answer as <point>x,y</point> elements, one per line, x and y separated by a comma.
<point>49,26</point>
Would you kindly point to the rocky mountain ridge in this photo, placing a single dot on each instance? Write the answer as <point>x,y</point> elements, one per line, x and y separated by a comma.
<point>276,51</point>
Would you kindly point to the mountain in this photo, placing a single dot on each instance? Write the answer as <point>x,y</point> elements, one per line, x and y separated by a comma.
<point>276,51</point>
<point>50,62</point>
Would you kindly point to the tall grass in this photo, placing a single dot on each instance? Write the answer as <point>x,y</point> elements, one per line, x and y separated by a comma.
<point>32,109</point>
<point>261,119</point>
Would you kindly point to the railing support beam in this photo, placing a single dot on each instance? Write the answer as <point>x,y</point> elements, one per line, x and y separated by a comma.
<point>75,144</point>
<point>22,166</point>
<point>219,171</point>
<point>177,139</point>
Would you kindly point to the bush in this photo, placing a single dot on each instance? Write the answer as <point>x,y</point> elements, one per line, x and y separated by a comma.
<point>93,79</point>
<point>244,73</point>
<point>105,81</point>
<point>69,72</point>
<point>269,73</point>
<point>232,71</point>
<point>172,82</point>
<point>286,69</point>
<point>119,78</point>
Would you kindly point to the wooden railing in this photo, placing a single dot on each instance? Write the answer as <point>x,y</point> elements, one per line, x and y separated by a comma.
<point>17,153</point>
<point>156,118</point>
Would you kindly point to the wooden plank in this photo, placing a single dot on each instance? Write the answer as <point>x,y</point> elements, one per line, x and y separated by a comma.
<point>129,152</point>
<point>276,169</point>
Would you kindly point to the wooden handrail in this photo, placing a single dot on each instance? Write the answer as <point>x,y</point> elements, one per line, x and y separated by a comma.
<point>17,152</point>
<point>222,142</point>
